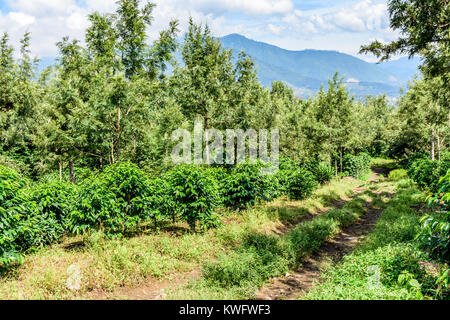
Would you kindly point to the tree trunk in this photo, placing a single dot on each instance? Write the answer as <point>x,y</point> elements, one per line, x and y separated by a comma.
<point>60,171</point>
<point>119,132</point>
<point>72,173</point>
<point>432,145</point>
<point>101,163</point>
<point>341,157</point>
<point>438,145</point>
<point>112,152</point>
<point>206,141</point>
<point>336,166</point>
<point>331,159</point>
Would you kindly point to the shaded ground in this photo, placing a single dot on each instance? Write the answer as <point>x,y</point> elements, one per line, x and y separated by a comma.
<point>299,282</point>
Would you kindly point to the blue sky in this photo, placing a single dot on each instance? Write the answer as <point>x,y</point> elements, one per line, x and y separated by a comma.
<point>341,25</point>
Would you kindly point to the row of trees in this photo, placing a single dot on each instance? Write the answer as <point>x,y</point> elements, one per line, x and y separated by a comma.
<point>119,98</point>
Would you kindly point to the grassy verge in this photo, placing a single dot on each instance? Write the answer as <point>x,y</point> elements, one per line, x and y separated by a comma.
<point>261,256</point>
<point>387,264</point>
<point>106,264</point>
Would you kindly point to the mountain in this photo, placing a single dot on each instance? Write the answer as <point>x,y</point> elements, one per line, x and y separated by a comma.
<point>307,70</point>
<point>403,69</point>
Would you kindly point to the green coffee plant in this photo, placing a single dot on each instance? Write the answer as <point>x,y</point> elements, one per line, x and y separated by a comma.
<point>158,203</point>
<point>114,202</point>
<point>356,166</point>
<point>195,193</point>
<point>426,173</point>
<point>12,213</point>
<point>301,184</point>
<point>323,173</point>
<point>435,228</point>
<point>247,184</point>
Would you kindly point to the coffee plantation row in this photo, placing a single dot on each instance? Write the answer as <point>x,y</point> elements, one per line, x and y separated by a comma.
<point>123,198</point>
<point>434,177</point>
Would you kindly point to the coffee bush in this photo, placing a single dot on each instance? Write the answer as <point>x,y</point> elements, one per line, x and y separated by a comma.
<point>301,184</point>
<point>247,184</point>
<point>195,193</point>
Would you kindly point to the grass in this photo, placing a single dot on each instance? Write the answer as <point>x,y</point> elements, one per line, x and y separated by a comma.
<point>107,265</point>
<point>384,163</point>
<point>390,251</point>
<point>261,256</point>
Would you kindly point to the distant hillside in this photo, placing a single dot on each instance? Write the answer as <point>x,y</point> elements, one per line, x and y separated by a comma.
<point>306,70</point>
<point>403,69</point>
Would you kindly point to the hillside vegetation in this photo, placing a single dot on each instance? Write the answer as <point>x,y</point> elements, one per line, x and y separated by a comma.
<point>92,203</point>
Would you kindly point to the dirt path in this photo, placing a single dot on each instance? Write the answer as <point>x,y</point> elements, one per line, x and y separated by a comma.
<point>151,290</point>
<point>299,282</point>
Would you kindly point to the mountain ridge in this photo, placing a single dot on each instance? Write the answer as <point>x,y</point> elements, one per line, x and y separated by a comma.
<point>306,70</point>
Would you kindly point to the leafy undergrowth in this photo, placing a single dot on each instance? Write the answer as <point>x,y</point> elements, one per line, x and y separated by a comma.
<point>106,264</point>
<point>387,264</point>
<point>238,274</point>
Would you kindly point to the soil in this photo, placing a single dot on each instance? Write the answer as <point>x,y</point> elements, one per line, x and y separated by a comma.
<point>152,290</point>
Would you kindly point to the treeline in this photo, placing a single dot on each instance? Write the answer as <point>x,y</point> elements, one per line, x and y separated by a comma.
<point>115,100</point>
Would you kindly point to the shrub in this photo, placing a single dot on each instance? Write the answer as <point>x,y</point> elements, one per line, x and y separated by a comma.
<point>247,184</point>
<point>288,164</point>
<point>12,214</point>
<point>301,184</point>
<point>356,166</point>
<point>220,174</point>
<point>51,204</point>
<point>286,167</point>
<point>398,174</point>
<point>445,156</point>
<point>311,166</point>
<point>426,173</point>
<point>30,217</point>
<point>10,183</point>
<point>195,192</point>
<point>159,203</point>
<point>53,199</point>
<point>96,207</point>
<point>416,156</point>
<point>324,173</point>
<point>13,164</point>
<point>115,201</point>
<point>435,228</point>
<point>129,184</point>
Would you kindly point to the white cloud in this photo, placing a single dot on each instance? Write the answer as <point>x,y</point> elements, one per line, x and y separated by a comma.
<point>21,19</point>
<point>42,7</point>
<point>362,16</point>
<point>275,29</point>
<point>349,21</point>
<point>101,5</point>
<point>252,7</point>
<point>78,21</point>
